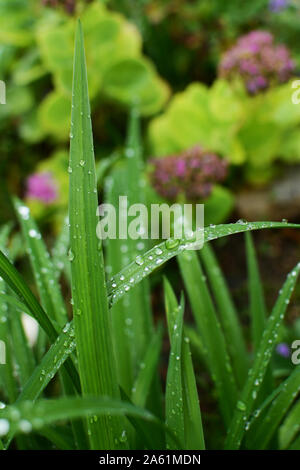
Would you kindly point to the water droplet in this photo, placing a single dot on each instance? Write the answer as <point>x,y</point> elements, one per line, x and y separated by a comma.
<point>82,162</point>
<point>139,260</point>
<point>172,243</point>
<point>71,255</point>
<point>24,212</point>
<point>241,406</point>
<point>34,234</point>
<point>4,427</point>
<point>25,426</point>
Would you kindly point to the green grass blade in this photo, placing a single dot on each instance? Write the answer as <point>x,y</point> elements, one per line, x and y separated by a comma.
<point>43,270</point>
<point>174,390</point>
<point>60,258</point>
<point>258,311</point>
<point>8,384</point>
<point>261,363</point>
<point>228,315</point>
<point>148,369</point>
<point>23,354</point>
<point>35,416</point>
<point>50,364</point>
<point>194,436</point>
<point>48,367</point>
<point>145,264</point>
<point>18,285</point>
<point>267,427</point>
<point>15,281</point>
<point>60,249</point>
<point>210,330</point>
<point>97,367</point>
<point>295,445</point>
<point>132,322</point>
<point>193,430</point>
<point>291,427</point>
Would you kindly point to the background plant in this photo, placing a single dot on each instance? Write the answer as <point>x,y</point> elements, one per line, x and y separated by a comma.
<point>98,404</point>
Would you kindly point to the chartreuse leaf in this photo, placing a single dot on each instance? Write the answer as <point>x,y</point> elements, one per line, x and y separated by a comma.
<point>146,263</point>
<point>96,360</point>
<point>228,315</point>
<point>210,330</point>
<point>291,426</point>
<point>265,428</point>
<point>261,362</point>
<point>42,267</point>
<point>193,431</point>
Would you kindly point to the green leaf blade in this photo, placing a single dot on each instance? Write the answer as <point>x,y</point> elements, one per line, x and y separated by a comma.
<point>97,367</point>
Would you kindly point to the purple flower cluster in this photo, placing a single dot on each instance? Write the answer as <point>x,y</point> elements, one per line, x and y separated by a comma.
<point>258,61</point>
<point>283,350</point>
<point>41,186</point>
<point>190,174</point>
<point>275,6</point>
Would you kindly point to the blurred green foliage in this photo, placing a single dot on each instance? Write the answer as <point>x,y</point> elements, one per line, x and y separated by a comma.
<point>38,42</point>
<point>138,53</point>
<point>246,130</point>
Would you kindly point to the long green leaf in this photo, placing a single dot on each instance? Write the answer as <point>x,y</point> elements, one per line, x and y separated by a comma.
<point>174,389</point>
<point>43,270</point>
<point>145,264</point>
<point>209,327</point>
<point>27,416</point>
<point>7,381</point>
<point>97,366</point>
<point>276,412</point>
<point>193,430</point>
<point>19,286</point>
<point>258,312</point>
<point>261,362</point>
<point>148,369</point>
<point>48,367</point>
<point>131,318</point>
<point>291,426</point>
<point>228,315</point>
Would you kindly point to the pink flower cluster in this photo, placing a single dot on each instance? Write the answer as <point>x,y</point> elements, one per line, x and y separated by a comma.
<point>258,61</point>
<point>190,174</point>
<point>41,186</point>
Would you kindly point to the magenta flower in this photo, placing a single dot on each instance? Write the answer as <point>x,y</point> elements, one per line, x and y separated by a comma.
<point>42,186</point>
<point>191,174</point>
<point>258,61</point>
